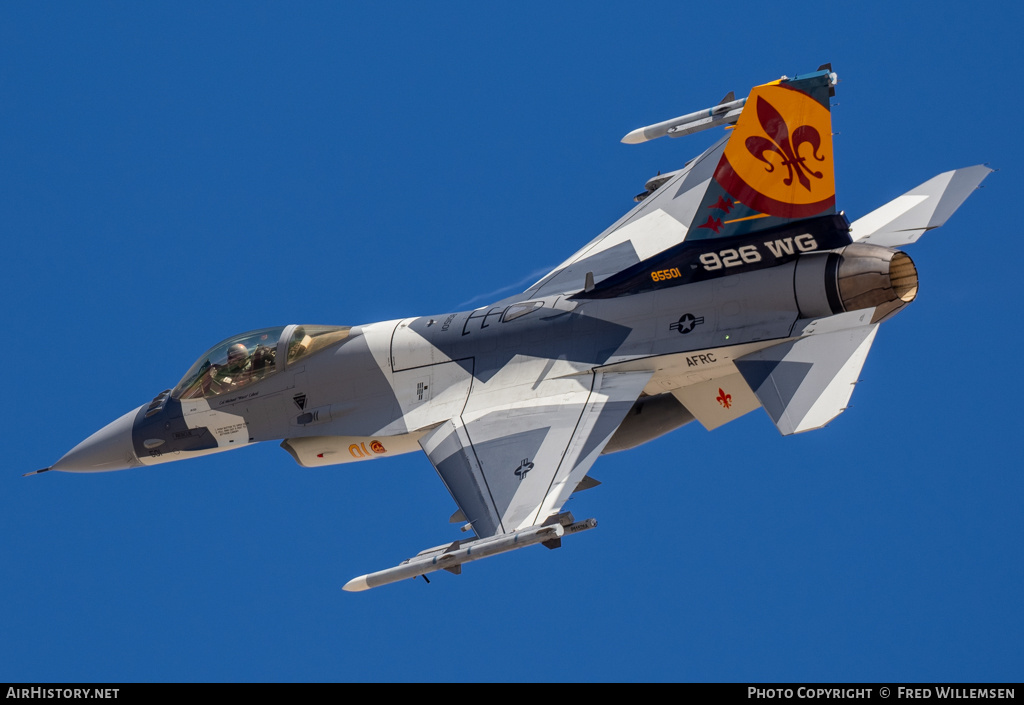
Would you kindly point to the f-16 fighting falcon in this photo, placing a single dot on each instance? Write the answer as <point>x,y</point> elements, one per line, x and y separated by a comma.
<point>733,284</point>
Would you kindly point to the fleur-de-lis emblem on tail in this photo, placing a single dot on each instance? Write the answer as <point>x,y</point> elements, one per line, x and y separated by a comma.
<point>780,124</point>
<point>781,143</point>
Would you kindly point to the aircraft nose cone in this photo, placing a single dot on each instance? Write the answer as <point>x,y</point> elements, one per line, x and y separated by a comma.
<point>110,448</point>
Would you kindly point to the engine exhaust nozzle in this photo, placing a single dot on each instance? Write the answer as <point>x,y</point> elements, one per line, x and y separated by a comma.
<point>857,277</point>
<point>876,277</point>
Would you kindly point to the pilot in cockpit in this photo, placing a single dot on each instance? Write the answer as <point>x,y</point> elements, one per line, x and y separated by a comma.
<point>234,373</point>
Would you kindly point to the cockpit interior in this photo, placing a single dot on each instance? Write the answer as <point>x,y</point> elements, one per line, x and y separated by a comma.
<point>245,359</point>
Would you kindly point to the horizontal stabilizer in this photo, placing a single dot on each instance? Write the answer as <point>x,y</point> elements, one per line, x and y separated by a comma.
<point>806,383</point>
<point>903,220</point>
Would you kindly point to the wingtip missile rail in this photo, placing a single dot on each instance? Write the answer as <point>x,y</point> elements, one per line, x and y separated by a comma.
<point>454,555</point>
<point>725,113</point>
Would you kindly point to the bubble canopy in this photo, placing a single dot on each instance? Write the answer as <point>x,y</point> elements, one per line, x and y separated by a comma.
<point>245,359</point>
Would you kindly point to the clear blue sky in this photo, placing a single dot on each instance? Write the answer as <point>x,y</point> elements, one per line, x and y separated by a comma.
<point>173,174</point>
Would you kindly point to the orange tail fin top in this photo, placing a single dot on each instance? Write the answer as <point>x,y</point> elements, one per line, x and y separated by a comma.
<point>777,165</point>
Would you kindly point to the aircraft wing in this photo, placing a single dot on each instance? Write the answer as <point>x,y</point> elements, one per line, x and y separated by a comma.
<point>654,225</point>
<point>512,463</point>
<point>903,220</point>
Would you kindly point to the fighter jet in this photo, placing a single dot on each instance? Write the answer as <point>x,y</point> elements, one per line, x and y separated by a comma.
<point>733,284</point>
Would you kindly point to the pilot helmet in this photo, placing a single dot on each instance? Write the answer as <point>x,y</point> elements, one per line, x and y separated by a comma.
<point>237,354</point>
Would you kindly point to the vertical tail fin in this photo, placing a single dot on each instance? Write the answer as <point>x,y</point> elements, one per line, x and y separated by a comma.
<point>773,168</point>
<point>777,165</point>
